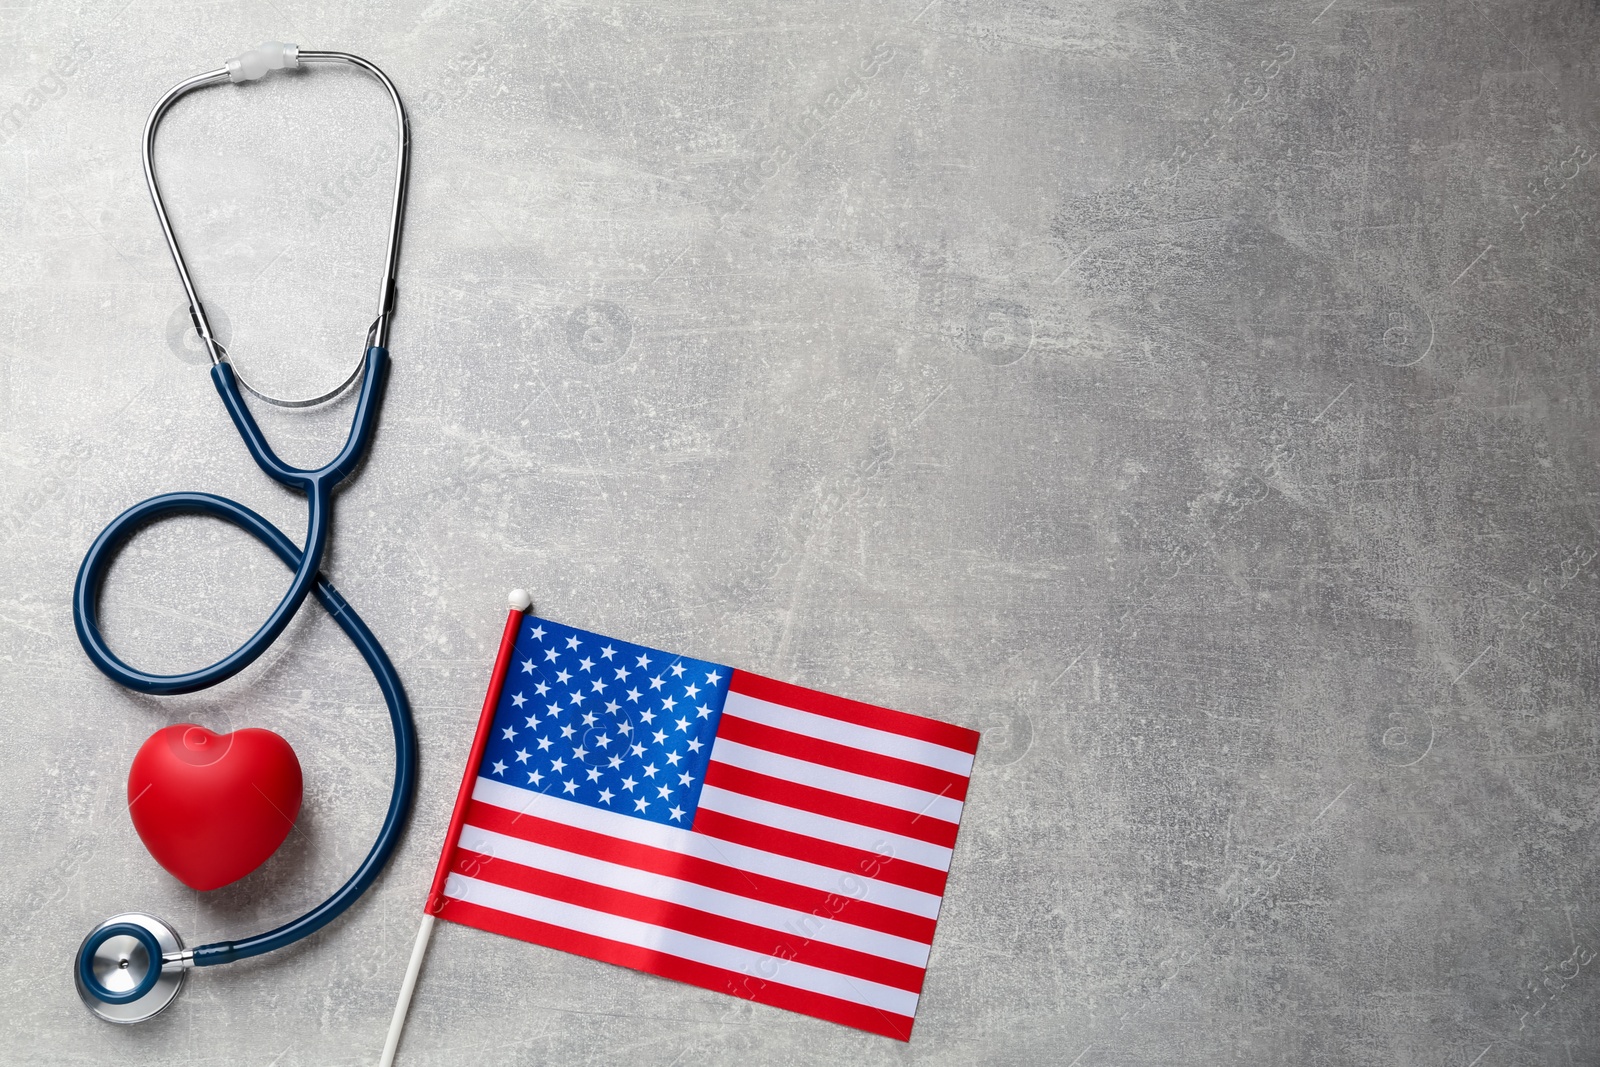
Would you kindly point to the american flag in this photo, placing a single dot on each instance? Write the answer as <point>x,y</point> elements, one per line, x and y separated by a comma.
<point>706,824</point>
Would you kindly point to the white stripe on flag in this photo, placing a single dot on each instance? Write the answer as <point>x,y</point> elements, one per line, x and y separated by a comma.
<point>840,732</point>
<point>700,846</point>
<point>846,783</point>
<point>684,946</point>
<point>825,827</point>
<point>690,894</point>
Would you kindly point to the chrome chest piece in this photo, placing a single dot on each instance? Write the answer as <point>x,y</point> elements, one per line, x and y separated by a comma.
<point>137,965</point>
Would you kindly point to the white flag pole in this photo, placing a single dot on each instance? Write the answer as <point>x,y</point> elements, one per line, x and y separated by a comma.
<point>519,602</point>
<point>398,1023</point>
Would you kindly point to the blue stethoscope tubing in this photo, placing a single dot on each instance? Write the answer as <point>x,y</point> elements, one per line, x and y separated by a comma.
<point>305,563</point>
<point>318,485</point>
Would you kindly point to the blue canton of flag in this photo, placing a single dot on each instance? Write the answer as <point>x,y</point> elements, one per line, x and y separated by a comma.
<point>613,725</point>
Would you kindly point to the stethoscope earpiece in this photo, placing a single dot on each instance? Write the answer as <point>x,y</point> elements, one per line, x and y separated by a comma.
<point>130,968</point>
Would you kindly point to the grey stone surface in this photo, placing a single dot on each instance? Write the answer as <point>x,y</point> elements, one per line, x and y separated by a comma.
<point>1197,398</point>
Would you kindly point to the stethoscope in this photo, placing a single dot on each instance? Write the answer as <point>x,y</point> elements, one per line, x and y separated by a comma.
<point>131,966</point>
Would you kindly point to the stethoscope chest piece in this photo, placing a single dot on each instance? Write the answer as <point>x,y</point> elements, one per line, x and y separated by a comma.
<point>118,975</point>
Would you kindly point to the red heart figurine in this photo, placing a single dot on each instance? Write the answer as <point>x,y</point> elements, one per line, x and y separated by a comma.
<point>212,807</point>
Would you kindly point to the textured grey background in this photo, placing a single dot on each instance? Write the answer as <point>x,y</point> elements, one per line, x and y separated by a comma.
<point>1197,398</point>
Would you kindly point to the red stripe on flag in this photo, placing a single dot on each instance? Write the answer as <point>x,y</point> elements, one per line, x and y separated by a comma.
<point>842,757</point>
<point>846,710</point>
<point>679,969</point>
<point>688,920</point>
<point>882,866</point>
<point>704,872</point>
<point>833,805</point>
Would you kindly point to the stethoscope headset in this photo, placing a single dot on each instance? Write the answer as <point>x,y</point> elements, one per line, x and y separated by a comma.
<point>133,965</point>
